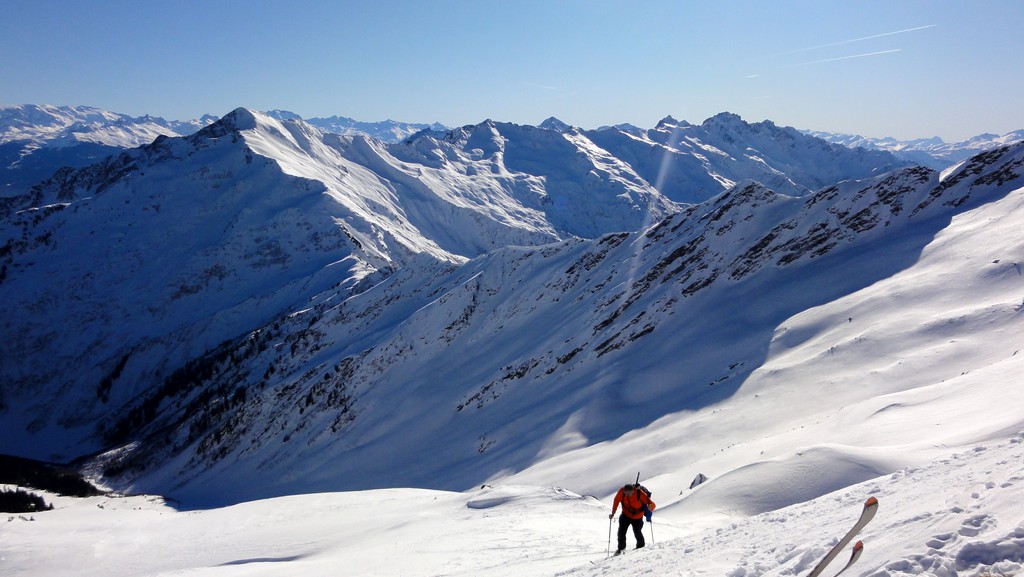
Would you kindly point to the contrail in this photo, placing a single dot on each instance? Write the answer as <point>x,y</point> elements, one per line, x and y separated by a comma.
<point>544,86</point>
<point>840,43</point>
<point>562,91</point>
<point>849,57</point>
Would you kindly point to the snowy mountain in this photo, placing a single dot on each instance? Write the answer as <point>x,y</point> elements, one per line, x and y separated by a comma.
<point>581,189</point>
<point>690,163</point>
<point>35,140</point>
<point>151,263</point>
<point>263,309</point>
<point>523,359</point>
<point>63,126</point>
<point>169,249</point>
<point>384,131</point>
<point>552,123</point>
<point>932,152</point>
<point>804,353</point>
<point>253,217</point>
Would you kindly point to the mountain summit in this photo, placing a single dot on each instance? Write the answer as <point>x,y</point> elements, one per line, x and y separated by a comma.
<point>555,124</point>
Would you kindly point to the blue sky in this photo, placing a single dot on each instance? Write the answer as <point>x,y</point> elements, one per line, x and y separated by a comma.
<point>901,68</point>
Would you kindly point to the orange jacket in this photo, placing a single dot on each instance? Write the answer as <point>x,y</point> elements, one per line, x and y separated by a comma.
<point>633,505</point>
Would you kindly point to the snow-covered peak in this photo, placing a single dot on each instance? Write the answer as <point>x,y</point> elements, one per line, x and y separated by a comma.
<point>728,124</point>
<point>724,119</point>
<point>283,115</point>
<point>669,123</point>
<point>241,119</point>
<point>625,127</point>
<point>555,124</point>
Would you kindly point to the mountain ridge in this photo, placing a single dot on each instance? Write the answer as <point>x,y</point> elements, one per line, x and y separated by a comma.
<point>263,300</point>
<point>331,392</point>
<point>384,130</point>
<point>933,152</point>
<point>37,140</point>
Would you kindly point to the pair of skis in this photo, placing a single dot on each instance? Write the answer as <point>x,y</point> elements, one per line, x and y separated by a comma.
<point>868,513</point>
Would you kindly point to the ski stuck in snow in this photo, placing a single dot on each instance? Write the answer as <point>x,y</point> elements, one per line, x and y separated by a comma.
<point>868,513</point>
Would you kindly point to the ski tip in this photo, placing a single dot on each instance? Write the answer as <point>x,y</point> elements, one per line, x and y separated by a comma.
<point>871,502</point>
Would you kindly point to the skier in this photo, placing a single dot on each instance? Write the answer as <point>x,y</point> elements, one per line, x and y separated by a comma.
<point>634,502</point>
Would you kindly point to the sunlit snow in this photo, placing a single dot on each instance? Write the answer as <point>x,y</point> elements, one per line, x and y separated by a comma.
<point>861,341</point>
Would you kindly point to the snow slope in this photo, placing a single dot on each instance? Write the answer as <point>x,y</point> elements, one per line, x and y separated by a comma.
<point>526,364</point>
<point>958,515</point>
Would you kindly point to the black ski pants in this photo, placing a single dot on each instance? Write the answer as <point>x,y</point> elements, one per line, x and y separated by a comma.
<point>638,531</point>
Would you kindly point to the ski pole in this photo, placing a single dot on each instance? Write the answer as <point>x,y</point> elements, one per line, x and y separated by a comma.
<point>608,551</point>
<point>652,530</point>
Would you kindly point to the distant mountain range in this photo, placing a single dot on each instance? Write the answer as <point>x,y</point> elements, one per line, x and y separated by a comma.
<point>35,140</point>
<point>385,130</point>
<point>62,126</point>
<point>932,152</point>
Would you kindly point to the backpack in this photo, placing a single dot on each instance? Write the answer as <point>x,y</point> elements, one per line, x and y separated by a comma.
<point>647,493</point>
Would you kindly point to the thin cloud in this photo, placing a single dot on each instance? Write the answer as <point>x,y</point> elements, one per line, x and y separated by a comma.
<point>845,42</point>
<point>849,57</point>
<point>561,91</point>
<point>544,86</point>
<point>851,41</point>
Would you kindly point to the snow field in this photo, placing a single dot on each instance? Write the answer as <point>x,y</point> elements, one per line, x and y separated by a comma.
<point>959,515</point>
